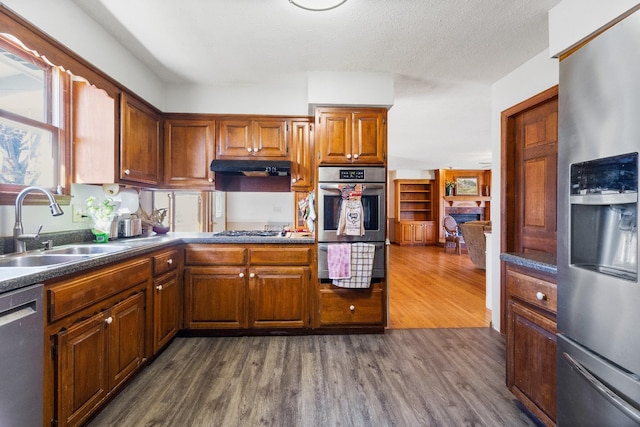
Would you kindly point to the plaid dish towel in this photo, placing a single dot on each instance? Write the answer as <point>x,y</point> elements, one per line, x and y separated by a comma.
<point>361,267</point>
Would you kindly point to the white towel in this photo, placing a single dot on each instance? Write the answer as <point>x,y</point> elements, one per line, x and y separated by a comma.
<point>351,222</point>
<point>361,267</point>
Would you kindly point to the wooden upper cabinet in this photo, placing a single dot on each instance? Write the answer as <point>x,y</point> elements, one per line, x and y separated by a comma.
<point>252,137</point>
<point>93,127</point>
<point>189,148</point>
<point>302,147</point>
<point>351,136</point>
<point>140,150</point>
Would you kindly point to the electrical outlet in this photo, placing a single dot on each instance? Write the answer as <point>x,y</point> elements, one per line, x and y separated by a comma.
<point>76,212</point>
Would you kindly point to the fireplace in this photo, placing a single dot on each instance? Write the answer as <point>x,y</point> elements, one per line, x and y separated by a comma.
<point>461,218</point>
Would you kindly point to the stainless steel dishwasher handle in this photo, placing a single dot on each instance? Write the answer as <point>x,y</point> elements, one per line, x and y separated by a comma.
<point>605,391</point>
<point>17,313</point>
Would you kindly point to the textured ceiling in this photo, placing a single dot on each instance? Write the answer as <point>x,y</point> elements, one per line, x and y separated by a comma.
<point>444,55</point>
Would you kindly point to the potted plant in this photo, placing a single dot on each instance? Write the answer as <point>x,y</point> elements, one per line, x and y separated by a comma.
<point>449,186</point>
<point>101,215</point>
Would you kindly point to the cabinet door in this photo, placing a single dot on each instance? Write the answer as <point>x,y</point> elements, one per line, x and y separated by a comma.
<point>83,380</point>
<point>126,338</point>
<point>334,129</point>
<point>270,138</point>
<point>94,129</point>
<point>215,297</point>
<point>406,233</point>
<point>166,309</point>
<point>189,148</point>
<point>278,297</point>
<point>234,138</point>
<point>531,360</point>
<point>419,233</point>
<point>369,144</point>
<point>140,156</point>
<point>303,166</point>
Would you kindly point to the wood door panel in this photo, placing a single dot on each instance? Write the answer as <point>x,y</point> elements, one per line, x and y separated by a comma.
<point>215,297</point>
<point>532,348</point>
<point>82,370</point>
<point>369,145</point>
<point>335,136</point>
<point>270,138</point>
<point>279,297</point>
<point>126,338</point>
<point>189,150</point>
<point>535,179</point>
<point>166,309</point>
<point>233,138</point>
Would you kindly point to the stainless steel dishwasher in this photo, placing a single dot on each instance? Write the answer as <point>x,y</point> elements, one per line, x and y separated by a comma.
<point>21,357</point>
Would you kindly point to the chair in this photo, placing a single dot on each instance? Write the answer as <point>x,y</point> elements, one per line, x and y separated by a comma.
<point>452,234</point>
<point>475,240</point>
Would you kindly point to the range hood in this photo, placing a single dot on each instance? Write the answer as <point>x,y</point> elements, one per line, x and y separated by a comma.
<point>252,167</point>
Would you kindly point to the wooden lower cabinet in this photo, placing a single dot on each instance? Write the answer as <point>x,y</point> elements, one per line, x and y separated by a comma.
<point>415,233</point>
<point>215,297</point>
<point>278,297</point>
<point>167,297</point>
<point>349,307</point>
<point>96,338</point>
<point>531,341</point>
<point>167,315</point>
<point>252,286</point>
<point>95,356</point>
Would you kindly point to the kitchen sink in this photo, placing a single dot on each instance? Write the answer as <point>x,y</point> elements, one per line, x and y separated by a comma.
<point>39,260</point>
<point>85,250</point>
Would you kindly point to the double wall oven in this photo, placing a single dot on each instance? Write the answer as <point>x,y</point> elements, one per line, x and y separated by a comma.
<point>330,181</point>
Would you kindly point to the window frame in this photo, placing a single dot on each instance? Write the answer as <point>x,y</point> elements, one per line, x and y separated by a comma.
<point>56,125</point>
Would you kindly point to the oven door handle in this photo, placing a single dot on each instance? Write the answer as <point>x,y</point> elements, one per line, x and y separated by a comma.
<point>337,188</point>
<point>605,391</point>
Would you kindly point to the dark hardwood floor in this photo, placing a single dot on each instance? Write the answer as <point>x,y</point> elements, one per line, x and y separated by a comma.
<point>438,365</point>
<point>409,377</point>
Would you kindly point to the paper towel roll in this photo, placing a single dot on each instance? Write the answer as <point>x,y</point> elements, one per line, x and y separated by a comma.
<point>129,201</point>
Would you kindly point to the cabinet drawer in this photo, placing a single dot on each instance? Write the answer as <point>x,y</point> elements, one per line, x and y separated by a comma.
<point>280,256</point>
<point>74,295</point>
<point>208,255</point>
<point>341,306</point>
<point>532,290</point>
<point>164,262</point>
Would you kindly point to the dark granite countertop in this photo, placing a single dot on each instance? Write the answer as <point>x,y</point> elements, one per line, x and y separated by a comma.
<point>539,261</point>
<point>12,278</point>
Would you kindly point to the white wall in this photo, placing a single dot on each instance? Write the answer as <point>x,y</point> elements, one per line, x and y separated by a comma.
<point>571,21</point>
<point>536,75</point>
<point>69,25</point>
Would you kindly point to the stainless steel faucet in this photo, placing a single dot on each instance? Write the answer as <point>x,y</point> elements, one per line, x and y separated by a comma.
<point>19,238</point>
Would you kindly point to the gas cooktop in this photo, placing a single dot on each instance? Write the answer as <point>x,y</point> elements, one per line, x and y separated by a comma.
<point>248,233</point>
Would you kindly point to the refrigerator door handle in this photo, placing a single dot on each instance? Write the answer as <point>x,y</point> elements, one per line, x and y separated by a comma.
<point>605,391</point>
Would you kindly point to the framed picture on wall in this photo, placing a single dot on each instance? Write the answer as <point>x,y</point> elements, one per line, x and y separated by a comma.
<point>466,186</point>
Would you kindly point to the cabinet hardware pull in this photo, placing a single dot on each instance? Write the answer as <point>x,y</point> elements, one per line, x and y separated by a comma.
<point>352,308</point>
<point>159,287</point>
<point>541,296</point>
<point>109,320</point>
<point>169,261</point>
<point>249,149</point>
<point>255,150</point>
<point>127,171</point>
<point>241,275</point>
<point>355,156</point>
<point>348,156</point>
<point>252,275</point>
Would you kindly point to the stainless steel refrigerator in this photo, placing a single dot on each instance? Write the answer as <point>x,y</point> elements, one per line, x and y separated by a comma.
<point>598,291</point>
